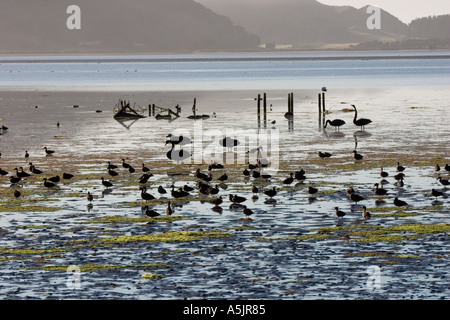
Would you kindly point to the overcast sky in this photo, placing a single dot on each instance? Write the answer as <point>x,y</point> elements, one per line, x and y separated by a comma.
<point>405,10</point>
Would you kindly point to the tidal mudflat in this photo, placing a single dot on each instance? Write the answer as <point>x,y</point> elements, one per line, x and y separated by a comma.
<point>293,246</point>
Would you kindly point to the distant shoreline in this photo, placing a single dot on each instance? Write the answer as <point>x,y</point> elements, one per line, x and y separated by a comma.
<point>257,56</point>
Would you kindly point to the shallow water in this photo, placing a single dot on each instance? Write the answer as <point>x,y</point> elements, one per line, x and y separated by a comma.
<point>408,124</point>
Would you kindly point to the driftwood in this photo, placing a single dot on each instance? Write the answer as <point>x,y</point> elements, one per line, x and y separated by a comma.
<point>123,110</point>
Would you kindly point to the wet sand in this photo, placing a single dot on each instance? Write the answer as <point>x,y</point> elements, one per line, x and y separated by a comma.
<point>293,248</point>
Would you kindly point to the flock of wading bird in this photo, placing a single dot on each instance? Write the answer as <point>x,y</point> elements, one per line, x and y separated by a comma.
<point>210,186</point>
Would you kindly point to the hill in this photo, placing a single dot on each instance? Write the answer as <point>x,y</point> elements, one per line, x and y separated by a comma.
<point>307,23</point>
<point>117,26</point>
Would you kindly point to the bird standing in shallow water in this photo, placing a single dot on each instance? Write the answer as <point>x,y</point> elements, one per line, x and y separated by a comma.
<point>357,156</point>
<point>89,197</point>
<point>336,123</point>
<point>447,167</point>
<point>366,215</point>
<point>338,212</point>
<point>107,184</point>
<point>48,152</point>
<point>399,203</point>
<point>248,212</point>
<point>379,191</point>
<point>150,213</point>
<point>17,193</point>
<point>169,209</point>
<point>444,182</point>
<point>362,122</point>
<point>48,184</point>
<point>400,168</point>
<point>290,179</point>
<point>324,154</point>
<point>435,193</point>
<point>145,195</point>
<point>383,173</point>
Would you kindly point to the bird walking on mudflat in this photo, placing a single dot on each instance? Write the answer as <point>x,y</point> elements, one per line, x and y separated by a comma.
<point>362,122</point>
<point>169,209</point>
<point>357,156</point>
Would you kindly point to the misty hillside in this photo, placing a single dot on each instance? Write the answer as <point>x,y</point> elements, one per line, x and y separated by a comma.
<point>117,26</point>
<point>307,23</point>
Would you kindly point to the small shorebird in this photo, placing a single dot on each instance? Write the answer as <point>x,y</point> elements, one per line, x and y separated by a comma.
<point>338,212</point>
<point>34,170</point>
<point>89,197</point>
<point>26,154</point>
<point>67,176</point>
<point>55,179</point>
<point>437,168</point>
<point>447,167</point>
<point>169,209</point>
<point>366,215</point>
<point>17,193</point>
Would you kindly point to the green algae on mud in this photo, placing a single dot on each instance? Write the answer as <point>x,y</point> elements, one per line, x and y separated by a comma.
<point>98,267</point>
<point>120,219</point>
<point>169,237</point>
<point>27,208</point>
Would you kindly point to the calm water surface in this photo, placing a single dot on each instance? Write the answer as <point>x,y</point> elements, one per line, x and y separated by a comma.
<point>230,71</point>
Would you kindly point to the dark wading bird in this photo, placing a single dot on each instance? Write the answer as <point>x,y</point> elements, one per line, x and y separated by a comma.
<point>435,193</point>
<point>271,192</point>
<point>383,173</point>
<point>33,169</point>
<point>89,197</point>
<point>379,191</point>
<point>17,193</point>
<point>357,156</point>
<point>400,168</point>
<point>338,212</point>
<point>362,122</point>
<point>336,123</point>
<point>107,184</point>
<point>443,181</point>
<point>356,198</point>
<point>48,184</point>
<point>145,195</point>
<point>447,167</point>
<point>248,212</point>
<point>399,203</point>
<point>149,212</point>
<point>324,154</point>
<point>48,152</point>
<point>290,179</point>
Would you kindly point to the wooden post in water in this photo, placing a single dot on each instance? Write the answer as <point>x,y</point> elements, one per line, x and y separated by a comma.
<point>258,104</point>
<point>265,109</point>
<point>292,103</point>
